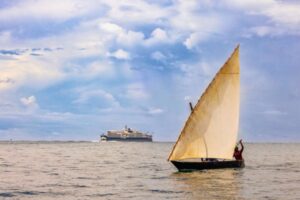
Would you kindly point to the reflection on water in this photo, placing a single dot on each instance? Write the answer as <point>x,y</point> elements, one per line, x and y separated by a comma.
<point>210,184</point>
<point>140,171</point>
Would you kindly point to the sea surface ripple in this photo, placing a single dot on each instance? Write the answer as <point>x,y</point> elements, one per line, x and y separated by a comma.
<point>115,170</point>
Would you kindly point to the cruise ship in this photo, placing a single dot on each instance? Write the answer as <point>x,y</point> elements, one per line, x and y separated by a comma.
<point>126,135</point>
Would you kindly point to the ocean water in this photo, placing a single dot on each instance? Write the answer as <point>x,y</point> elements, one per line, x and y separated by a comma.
<point>114,170</point>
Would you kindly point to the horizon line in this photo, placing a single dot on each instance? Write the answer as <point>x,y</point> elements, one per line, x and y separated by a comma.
<point>156,141</point>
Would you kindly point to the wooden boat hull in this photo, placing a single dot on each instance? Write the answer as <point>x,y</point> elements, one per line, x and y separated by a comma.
<point>191,166</point>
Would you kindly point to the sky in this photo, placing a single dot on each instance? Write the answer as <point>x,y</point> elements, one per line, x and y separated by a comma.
<point>72,69</point>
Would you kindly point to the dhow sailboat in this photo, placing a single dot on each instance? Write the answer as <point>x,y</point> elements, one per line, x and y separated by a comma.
<point>209,136</point>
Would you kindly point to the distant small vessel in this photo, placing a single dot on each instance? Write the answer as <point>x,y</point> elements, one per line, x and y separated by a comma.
<point>208,138</point>
<point>126,135</point>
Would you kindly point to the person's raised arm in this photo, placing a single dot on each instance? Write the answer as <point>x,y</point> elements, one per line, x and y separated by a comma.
<point>242,146</point>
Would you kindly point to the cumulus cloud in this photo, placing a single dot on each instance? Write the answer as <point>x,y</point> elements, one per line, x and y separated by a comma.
<point>129,38</point>
<point>29,102</point>
<point>111,27</point>
<point>283,16</point>
<point>53,10</point>
<point>191,41</point>
<point>28,72</point>
<point>120,54</point>
<point>249,5</point>
<point>158,36</point>
<point>157,55</point>
<point>262,30</point>
<point>135,12</point>
<point>121,35</point>
<point>87,95</point>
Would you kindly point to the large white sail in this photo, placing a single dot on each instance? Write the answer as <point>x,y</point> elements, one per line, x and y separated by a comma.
<point>212,127</point>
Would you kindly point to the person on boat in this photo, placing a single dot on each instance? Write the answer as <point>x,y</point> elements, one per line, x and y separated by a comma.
<point>238,153</point>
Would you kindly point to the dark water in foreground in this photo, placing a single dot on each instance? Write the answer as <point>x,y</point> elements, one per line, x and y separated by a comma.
<point>140,171</point>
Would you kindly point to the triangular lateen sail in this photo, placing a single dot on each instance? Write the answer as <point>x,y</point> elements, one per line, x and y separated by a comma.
<point>212,127</point>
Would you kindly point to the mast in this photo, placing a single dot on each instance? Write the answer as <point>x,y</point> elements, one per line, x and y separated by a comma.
<point>191,106</point>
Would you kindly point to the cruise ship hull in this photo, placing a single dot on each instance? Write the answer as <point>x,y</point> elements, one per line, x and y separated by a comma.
<point>126,139</point>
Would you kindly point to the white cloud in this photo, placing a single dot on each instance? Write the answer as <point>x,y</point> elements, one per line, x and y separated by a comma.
<point>188,19</point>
<point>40,9</point>
<point>96,69</point>
<point>155,111</point>
<point>249,5</point>
<point>187,98</point>
<point>86,94</point>
<point>111,27</point>
<point>204,28</point>
<point>130,38</point>
<point>192,40</point>
<point>261,30</point>
<point>54,66</point>
<point>274,112</point>
<point>121,35</point>
<point>120,54</point>
<point>157,55</point>
<point>135,12</point>
<point>29,102</point>
<point>283,16</point>
<point>195,22</point>
<point>27,71</point>
<point>158,36</point>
